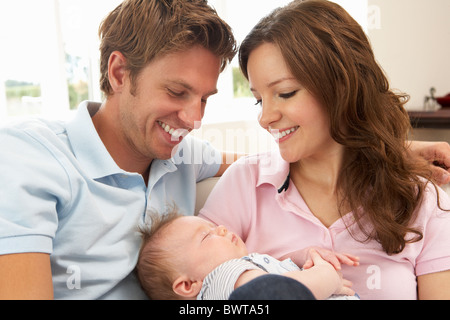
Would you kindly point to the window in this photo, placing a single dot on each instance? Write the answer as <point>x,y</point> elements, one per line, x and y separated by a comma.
<point>49,63</point>
<point>234,101</point>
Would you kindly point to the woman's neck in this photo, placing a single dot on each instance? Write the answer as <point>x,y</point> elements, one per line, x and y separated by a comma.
<point>316,179</point>
<point>322,170</point>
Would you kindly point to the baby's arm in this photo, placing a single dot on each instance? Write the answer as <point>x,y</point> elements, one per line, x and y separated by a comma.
<point>322,279</point>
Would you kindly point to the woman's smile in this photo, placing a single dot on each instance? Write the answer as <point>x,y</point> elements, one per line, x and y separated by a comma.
<point>283,135</point>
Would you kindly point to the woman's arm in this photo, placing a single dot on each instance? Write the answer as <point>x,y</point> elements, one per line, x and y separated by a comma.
<point>25,276</point>
<point>434,286</point>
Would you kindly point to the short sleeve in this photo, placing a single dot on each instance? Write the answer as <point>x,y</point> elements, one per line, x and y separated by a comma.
<point>435,254</point>
<point>220,283</point>
<point>31,193</point>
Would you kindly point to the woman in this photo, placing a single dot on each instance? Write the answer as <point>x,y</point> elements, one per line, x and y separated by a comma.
<point>341,179</point>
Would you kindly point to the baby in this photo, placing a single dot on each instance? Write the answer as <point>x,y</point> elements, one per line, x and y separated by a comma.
<point>186,257</point>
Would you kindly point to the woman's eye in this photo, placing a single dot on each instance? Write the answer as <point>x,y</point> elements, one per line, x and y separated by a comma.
<point>258,102</point>
<point>288,95</point>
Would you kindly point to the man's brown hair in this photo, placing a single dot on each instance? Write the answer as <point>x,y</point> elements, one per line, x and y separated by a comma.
<point>144,29</point>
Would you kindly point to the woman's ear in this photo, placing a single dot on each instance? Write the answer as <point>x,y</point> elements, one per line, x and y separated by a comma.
<point>187,288</point>
<point>117,71</point>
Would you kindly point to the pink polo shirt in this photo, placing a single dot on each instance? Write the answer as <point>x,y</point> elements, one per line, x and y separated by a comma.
<point>247,200</point>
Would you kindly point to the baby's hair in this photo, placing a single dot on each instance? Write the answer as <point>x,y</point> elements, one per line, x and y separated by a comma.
<point>154,268</point>
<point>158,221</point>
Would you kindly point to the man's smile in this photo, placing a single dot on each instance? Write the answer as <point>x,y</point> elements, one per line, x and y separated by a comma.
<point>175,134</point>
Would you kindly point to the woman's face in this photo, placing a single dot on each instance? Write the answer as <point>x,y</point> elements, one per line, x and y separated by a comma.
<point>289,112</point>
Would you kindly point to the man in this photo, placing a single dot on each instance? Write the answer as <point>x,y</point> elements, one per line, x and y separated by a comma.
<point>77,191</point>
<point>73,194</point>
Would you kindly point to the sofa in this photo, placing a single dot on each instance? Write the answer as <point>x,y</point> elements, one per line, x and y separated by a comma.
<point>203,189</point>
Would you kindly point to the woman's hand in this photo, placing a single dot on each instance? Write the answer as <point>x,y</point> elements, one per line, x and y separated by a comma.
<point>335,259</point>
<point>326,280</point>
<point>303,258</point>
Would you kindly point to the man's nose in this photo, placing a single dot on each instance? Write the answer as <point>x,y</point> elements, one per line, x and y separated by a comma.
<point>192,115</point>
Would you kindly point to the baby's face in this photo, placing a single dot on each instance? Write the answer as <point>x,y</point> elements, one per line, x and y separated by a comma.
<point>202,246</point>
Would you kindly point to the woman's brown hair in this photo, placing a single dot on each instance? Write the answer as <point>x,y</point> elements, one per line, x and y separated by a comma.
<point>144,29</point>
<point>330,55</point>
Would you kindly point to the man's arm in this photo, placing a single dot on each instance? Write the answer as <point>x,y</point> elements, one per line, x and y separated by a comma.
<point>228,159</point>
<point>25,276</point>
<point>438,155</point>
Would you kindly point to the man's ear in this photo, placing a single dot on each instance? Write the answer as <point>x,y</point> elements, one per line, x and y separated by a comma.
<point>187,288</point>
<point>117,71</point>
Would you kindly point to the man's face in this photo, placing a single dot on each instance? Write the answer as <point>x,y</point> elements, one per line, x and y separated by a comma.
<point>169,101</point>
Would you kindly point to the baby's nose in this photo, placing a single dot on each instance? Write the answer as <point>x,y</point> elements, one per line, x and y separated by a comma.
<point>221,231</point>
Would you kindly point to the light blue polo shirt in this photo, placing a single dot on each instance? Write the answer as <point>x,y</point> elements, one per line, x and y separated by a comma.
<point>62,194</point>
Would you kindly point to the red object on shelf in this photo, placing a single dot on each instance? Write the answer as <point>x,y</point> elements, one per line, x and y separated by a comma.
<point>444,101</point>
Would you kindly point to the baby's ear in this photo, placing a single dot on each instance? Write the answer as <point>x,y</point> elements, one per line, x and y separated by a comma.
<point>187,288</point>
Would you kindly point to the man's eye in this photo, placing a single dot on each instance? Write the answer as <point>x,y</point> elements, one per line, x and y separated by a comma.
<point>175,93</point>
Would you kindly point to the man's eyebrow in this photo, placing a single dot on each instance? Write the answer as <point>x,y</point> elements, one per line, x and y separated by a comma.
<point>190,88</point>
<point>182,83</point>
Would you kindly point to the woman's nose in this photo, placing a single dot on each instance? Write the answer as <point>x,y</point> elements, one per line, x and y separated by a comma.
<point>268,115</point>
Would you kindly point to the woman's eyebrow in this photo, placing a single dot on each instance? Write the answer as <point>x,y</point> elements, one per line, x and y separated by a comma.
<point>273,83</point>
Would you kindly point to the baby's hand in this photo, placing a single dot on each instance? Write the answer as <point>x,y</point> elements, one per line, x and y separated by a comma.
<point>342,286</point>
<point>335,259</point>
<point>345,288</point>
